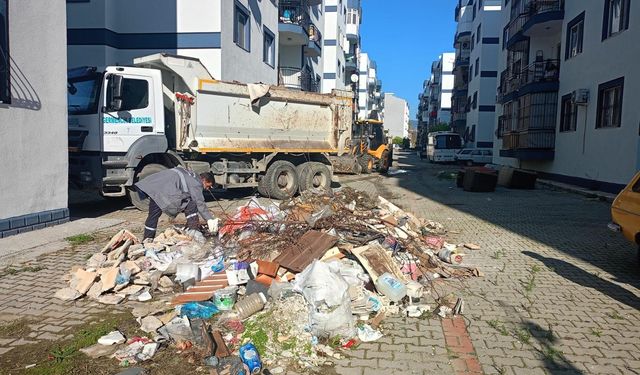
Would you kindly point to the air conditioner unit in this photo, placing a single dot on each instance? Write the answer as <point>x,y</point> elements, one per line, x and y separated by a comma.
<point>580,97</point>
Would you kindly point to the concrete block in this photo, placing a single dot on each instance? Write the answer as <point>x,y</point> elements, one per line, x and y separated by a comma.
<point>8,233</point>
<point>39,226</point>
<point>17,222</point>
<point>45,217</point>
<point>31,219</point>
<point>25,229</point>
<point>58,214</point>
<point>5,224</point>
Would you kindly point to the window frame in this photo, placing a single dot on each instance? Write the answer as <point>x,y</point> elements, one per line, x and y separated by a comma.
<point>572,124</point>
<point>606,18</point>
<point>272,48</point>
<point>5,93</point>
<point>477,67</point>
<point>602,89</point>
<point>576,22</point>
<point>240,9</point>
<point>478,30</point>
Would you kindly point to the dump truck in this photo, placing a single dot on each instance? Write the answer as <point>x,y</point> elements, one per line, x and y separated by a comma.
<point>371,146</point>
<point>128,122</point>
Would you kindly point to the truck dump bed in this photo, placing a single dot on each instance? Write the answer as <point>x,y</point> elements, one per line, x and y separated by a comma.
<point>223,118</point>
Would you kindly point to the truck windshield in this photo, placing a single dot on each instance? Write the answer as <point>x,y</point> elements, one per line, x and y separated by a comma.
<point>83,94</point>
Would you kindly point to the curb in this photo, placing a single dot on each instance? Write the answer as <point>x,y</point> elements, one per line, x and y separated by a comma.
<point>606,197</point>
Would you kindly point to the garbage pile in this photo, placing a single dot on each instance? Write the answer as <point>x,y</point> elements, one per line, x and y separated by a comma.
<point>288,286</point>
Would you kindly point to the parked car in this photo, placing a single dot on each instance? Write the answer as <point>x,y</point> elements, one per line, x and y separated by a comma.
<point>625,212</point>
<point>471,156</point>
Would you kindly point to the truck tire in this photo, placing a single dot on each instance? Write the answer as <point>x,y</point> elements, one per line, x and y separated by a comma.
<point>280,181</point>
<point>385,162</point>
<point>146,171</point>
<point>315,176</point>
<point>367,163</point>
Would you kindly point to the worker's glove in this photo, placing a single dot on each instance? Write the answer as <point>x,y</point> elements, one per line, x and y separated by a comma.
<point>213,225</point>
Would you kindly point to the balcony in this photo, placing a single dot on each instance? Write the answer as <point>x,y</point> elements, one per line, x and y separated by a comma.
<point>314,48</point>
<point>294,22</point>
<point>530,144</point>
<point>540,76</point>
<point>538,18</point>
<point>351,62</point>
<point>297,79</point>
<point>459,93</point>
<point>353,32</point>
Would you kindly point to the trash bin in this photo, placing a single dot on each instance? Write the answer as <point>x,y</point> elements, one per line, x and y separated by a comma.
<point>480,180</point>
<point>522,179</point>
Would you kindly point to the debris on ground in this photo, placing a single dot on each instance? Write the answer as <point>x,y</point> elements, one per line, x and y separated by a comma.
<point>288,286</point>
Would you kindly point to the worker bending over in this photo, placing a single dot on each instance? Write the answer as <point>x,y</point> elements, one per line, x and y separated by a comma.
<point>173,191</point>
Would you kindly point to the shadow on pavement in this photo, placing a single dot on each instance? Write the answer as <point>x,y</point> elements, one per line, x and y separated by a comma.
<point>586,279</point>
<point>550,356</point>
<point>570,223</point>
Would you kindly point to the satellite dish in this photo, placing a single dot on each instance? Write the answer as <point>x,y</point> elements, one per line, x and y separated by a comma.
<point>354,78</point>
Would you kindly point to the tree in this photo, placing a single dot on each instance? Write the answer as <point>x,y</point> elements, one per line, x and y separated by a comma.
<point>397,141</point>
<point>440,127</point>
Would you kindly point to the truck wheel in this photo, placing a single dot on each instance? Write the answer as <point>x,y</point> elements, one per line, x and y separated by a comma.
<point>366,162</point>
<point>280,181</point>
<point>385,162</point>
<point>147,170</point>
<point>315,176</point>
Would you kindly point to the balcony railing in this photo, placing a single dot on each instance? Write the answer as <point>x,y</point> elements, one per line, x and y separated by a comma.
<point>296,78</point>
<point>294,12</point>
<point>532,9</point>
<point>530,139</point>
<point>537,72</point>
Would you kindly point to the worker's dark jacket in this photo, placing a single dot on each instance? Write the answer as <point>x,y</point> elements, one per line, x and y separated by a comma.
<point>172,189</point>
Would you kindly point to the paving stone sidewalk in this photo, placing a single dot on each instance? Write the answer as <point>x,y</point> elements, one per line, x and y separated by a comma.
<point>560,293</point>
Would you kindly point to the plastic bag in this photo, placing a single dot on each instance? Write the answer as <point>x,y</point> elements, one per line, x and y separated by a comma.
<point>201,310</point>
<point>327,294</point>
<point>124,275</point>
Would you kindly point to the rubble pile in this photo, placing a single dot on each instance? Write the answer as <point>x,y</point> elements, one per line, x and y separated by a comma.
<point>280,287</point>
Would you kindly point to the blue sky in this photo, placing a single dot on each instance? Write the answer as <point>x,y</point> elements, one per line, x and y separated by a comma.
<point>404,37</point>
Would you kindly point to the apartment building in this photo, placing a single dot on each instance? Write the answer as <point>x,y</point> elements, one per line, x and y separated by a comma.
<point>396,116</point>
<point>476,70</point>
<point>565,93</point>
<point>33,114</point>
<point>236,40</point>
<point>370,95</point>
<point>440,89</point>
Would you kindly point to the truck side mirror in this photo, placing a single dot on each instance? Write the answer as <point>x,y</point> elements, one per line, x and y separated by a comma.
<point>114,93</point>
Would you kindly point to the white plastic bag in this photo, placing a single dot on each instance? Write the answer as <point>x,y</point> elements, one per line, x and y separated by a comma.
<point>326,292</point>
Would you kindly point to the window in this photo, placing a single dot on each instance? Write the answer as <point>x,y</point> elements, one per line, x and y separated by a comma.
<point>471,73</point>
<point>5,87</point>
<point>241,28</point>
<point>477,67</point>
<point>269,48</point>
<point>135,94</point>
<point>83,94</point>
<point>568,114</point>
<point>475,100</point>
<point>474,11</point>
<point>575,31</point>
<point>478,34</point>
<point>616,17</point>
<point>610,104</point>
<point>473,42</point>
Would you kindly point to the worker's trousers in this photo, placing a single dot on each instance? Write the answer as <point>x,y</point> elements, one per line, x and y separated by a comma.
<point>151,224</point>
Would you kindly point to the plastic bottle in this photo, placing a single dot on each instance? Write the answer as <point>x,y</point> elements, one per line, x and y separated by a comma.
<point>250,305</point>
<point>391,287</point>
<point>250,357</point>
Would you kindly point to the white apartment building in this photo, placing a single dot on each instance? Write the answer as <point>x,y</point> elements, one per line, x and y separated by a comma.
<point>335,46</point>
<point>477,51</point>
<point>370,95</point>
<point>236,40</point>
<point>441,88</point>
<point>396,116</point>
<point>33,115</point>
<point>566,91</point>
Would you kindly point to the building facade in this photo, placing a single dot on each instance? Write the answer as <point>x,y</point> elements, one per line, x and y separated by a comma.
<point>370,95</point>
<point>396,116</point>
<point>435,100</point>
<point>476,71</point>
<point>566,91</point>
<point>33,114</point>
<point>235,40</point>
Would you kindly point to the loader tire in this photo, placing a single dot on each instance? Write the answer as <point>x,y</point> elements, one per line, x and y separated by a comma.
<point>315,176</point>
<point>146,171</point>
<point>280,181</point>
<point>367,163</point>
<point>385,162</point>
